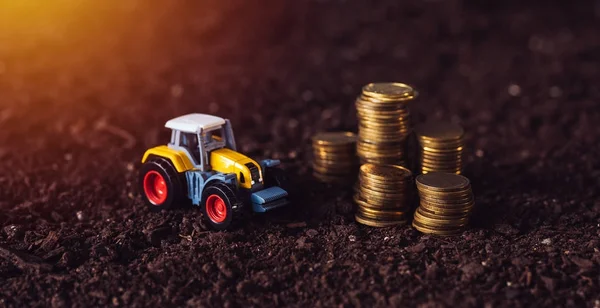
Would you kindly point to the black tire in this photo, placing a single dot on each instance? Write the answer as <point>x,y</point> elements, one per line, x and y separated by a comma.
<point>220,206</point>
<point>276,177</point>
<point>150,187</point>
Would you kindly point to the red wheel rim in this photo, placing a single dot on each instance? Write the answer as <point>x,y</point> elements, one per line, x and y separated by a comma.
<point>155,187</point>
<point>216,208</point>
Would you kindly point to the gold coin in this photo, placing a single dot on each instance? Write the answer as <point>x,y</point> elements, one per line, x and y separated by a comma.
<point>390,133</point>
<point>394,90</point>
<point>385,171</point>
<point>391,147</point>
<point>464,217</point>
<point>443,215</point>
<point>378,124</point>
<point>382,150</point>
<point>397,184</point>
<point>447,200</point>
<point>428,230</point>
<point>383,161</point>
<point>380,159</point>
<point>388,115</point>
<point>434,170</point>
<point>444,182</point>
<point>380,136</point>
<point>388,126</point>
<point>380,200</point>
<point>334,150</point>
<point>336,159</point>
<point>383,195</point>
<point>390,183</point>
<point>444,211</point>
<point>378,188</point>
<point>431,219</point>
<point>440,168</point>
<point>334,138</point>
<point>438,130</point>
<point>447,207</point>
<point>338,151</point>
<point>383,139</point>
<point>373,211</point>
<point>377,223</point>
<point>340,164</point>
<point>375,140</point>
<point>358,199</point>
<point>438,163</point>
<point>443,152</point>
<point>425,172</point>
<point>441,160</point>
<point>383,116</point>
<point>397,206</point>
<point>439,195</point>
<point>453,170</point>
<point>440,143</point>
<point>369,104</point>
<point>381,214</point>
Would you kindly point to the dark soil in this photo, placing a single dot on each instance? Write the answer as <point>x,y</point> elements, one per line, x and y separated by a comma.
<point>85,89</point>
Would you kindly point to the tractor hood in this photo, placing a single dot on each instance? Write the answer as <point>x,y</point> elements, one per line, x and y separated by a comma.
<point>247,170</point>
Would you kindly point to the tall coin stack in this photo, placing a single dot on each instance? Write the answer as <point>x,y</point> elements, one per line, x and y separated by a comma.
<point>383,196</point>
<point>334,157</point>
<point>441,147</point>
<point>384,122</point>
<point>445,204</point>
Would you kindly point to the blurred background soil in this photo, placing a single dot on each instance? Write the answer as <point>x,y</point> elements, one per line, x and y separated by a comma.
<point>85,89</point>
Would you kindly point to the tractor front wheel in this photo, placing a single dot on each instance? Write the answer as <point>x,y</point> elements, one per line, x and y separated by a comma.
<point>220,205</point>
<point>160,185</point>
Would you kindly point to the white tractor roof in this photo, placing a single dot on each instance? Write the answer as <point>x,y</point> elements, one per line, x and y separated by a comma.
<point>194,122</point>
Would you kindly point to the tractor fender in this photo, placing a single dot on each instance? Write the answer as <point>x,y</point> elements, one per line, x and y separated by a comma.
<point>178,159</point>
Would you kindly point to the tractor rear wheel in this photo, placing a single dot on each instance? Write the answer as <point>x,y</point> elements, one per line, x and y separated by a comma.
<point>220,206</point>
<point>160,185</point>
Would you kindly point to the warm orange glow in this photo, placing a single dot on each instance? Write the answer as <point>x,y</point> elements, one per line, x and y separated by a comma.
<point>20,20</point>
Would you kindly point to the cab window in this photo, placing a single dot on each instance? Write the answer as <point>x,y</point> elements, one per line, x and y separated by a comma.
<point>213,139</point>
<point>190,142</point>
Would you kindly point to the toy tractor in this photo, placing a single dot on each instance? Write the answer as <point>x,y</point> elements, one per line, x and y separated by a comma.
<point>201,163</point>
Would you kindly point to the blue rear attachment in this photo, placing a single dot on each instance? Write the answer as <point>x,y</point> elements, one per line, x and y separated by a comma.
<point>267,163</point>
<point>268,199</point>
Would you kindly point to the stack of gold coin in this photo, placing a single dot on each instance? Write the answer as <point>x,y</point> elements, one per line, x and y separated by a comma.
<point>441,147</point>
<point>383,196</point>
<point>446,202</point>
<point>334,157</point>
<point>384,122</point>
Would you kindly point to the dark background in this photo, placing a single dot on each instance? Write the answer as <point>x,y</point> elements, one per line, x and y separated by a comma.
<point>85,89</point>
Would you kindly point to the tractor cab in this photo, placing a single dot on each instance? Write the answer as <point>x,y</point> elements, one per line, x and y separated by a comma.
<point>199,134</point>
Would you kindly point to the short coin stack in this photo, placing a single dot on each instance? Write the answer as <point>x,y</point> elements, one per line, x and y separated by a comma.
<point>446,202</point>
<point>334,157</point>
<point>383,196</point>
<point>383,122</point>
<point>441,147</point>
